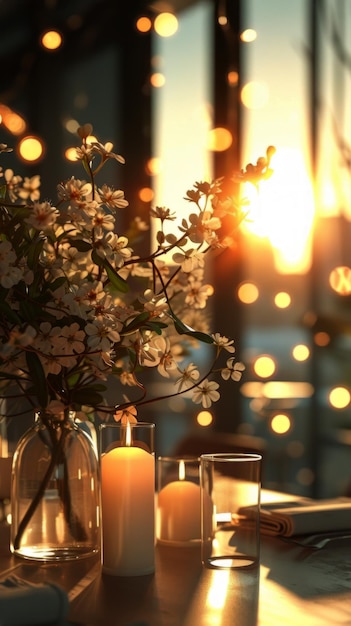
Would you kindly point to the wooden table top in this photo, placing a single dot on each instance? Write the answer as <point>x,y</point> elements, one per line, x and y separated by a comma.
<point>293,586</point>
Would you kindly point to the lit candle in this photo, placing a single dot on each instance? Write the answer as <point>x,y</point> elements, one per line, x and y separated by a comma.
<point>128,510</point>
<point>178,511</point>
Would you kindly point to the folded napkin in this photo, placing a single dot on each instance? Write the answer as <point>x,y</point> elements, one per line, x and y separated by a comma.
<point>306,517</point>
<point>23,603</point>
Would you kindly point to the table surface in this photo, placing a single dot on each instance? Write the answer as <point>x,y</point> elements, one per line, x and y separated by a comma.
<point>293,585</point>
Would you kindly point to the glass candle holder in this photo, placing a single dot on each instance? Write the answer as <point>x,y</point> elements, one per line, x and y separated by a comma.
<point>230,499</point>
<point>178,520</point>
<point>128,498</point>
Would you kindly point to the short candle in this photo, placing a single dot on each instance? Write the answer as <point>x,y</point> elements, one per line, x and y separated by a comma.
<point>179,511</point>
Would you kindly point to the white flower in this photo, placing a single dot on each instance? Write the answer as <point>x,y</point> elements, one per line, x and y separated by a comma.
<point>113,199</point>
<point>223,342</point>
<point>206,393</point>
<point>233,370</point>
<point>101,334</point>
<point>189,375</point>
<point>42,216</point>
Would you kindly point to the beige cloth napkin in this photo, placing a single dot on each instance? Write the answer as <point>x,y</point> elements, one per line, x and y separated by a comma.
<point>23,603</point>
<point>306,517</point>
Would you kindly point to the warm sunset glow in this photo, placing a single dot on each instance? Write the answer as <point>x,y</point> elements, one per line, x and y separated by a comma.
<point>166,24</point>
<point>51,40</point>
<point>248,35</point>
<point>281,424</point>
<point>219,139</point>
<point>264,366</point>
<point>321,339</point>
<point>339,397</point>
<point>283,212</point>
<point>282,300</point>
<point>217,593</point>
<point>248,293</point>
<point>328,205</point>
<point>157,79</point>
<point>146,194</point>
<point>30,148</point>
<point>301,352</point>
<point>143,24</point>
<point>204,418</point>
<point>340,280</point>
<point>255,95</point>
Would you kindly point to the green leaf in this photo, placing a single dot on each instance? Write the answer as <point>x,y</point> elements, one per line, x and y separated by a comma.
<point>81,245</point>
<point>183,329</point>
<point>155,326</point>
<point>56,284</point>
<point>34,251</point>
<point>38,377</point>
<point>115,279</point>
<point>137,321</point>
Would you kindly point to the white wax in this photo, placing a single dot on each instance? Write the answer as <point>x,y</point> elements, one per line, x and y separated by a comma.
<point>128,511</point>
<point>179,512</point>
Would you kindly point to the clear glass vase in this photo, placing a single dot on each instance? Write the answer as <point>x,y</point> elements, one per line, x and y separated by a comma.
<point>55,492</point>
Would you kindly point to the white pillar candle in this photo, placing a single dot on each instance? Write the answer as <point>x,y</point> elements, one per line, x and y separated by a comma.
<point>128,511</point>
<point>179,511</point>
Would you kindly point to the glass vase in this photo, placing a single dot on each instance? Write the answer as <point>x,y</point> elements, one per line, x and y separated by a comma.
<point>55,492</point>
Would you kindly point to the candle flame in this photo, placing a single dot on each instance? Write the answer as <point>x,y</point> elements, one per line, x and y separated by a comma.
<point>128,434</point>
<point>181,470</point>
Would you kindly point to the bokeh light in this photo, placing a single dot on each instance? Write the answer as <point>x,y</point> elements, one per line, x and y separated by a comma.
<point>282,300</point>
<point>146,194</point>
<point>248,292</point>
<point>219,139</point>
<point>154,166</point>
<point>51,40</point>
<point>248,35</point>
<point>30,148</point>
<point>166,24</point>
<point>264,366</point>
<point>281,424</point>
<point>71,154</point>
<point>14,123</point>
<point>301,352</point>
<point>255,95</point>
<point>340,280</point>
<point>204,418</point>
<point>143,24</point>
<point>157,79</point>
<point>321,339</point>
<point>339,397</point>
<point>233,78</point>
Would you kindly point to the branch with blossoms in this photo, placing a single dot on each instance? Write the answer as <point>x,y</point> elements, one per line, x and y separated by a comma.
<point>80,309</point>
